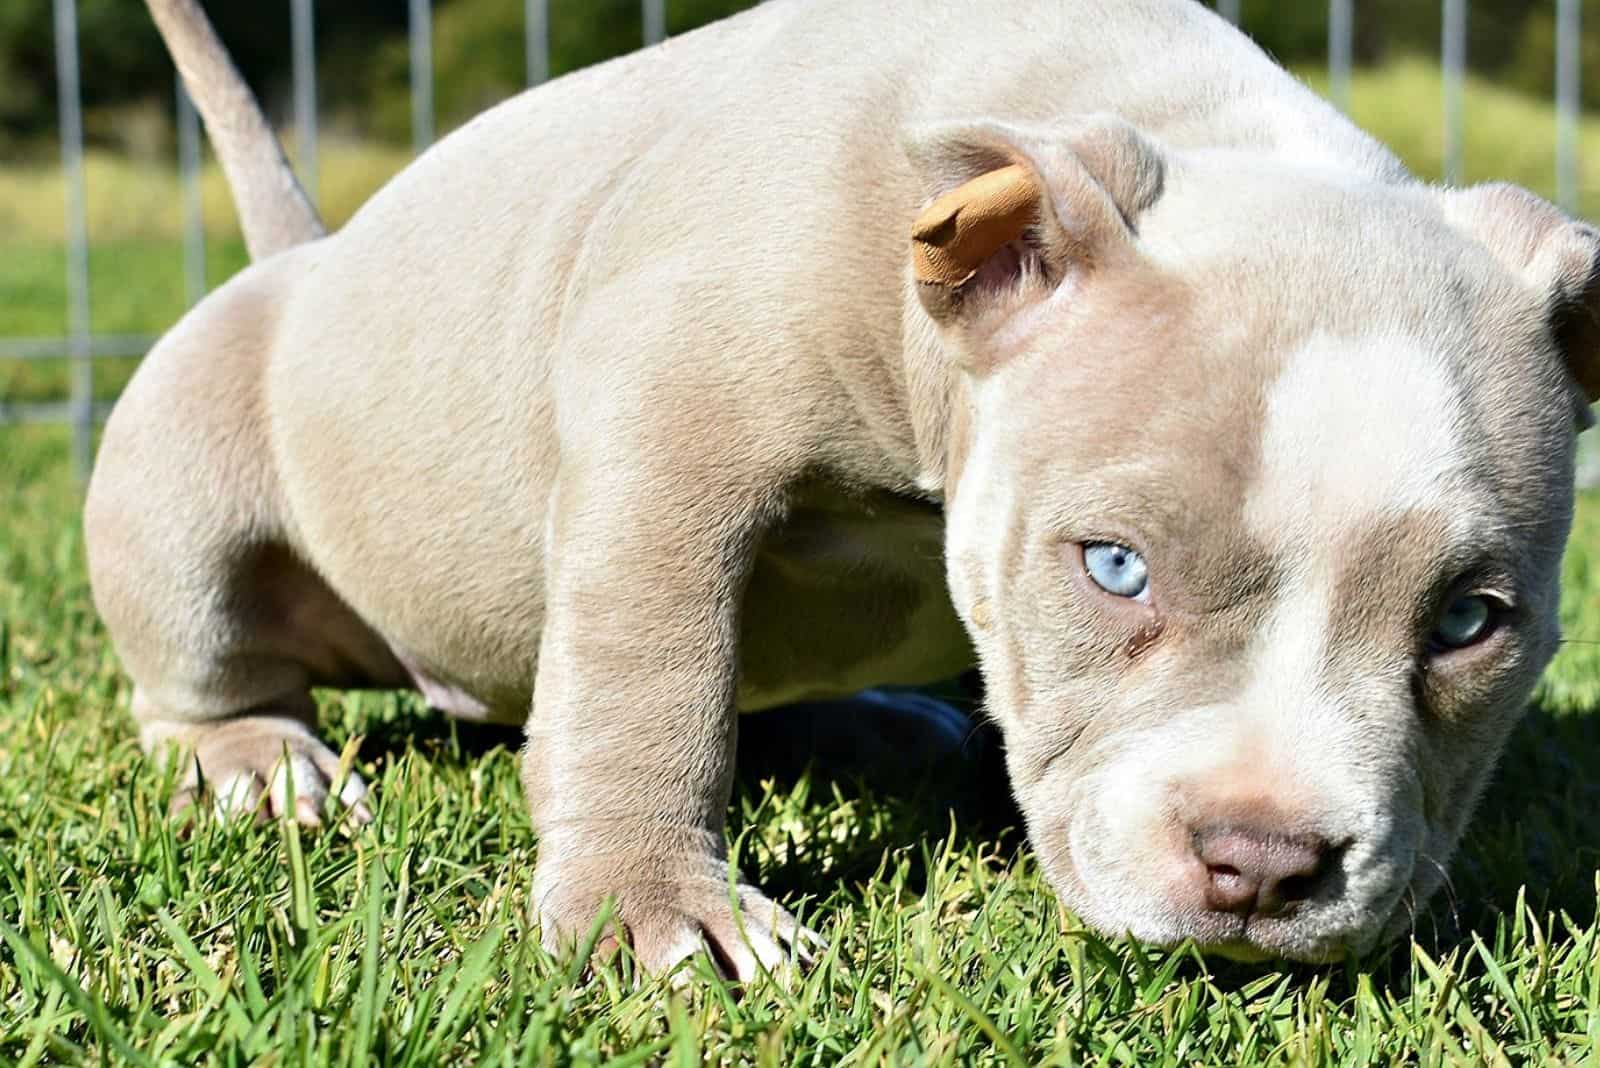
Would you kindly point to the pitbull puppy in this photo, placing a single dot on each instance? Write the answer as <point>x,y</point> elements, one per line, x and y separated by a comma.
<point>825,346</point>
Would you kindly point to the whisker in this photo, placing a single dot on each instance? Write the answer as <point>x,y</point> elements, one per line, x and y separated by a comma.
<point>1449,887</point>
<point>972,733</point>
<point>1409,901</point>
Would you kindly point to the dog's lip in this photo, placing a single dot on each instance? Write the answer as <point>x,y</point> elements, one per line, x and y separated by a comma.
<point>1252,949</point>
<point>1281,937</point>
<point>1240,950</point>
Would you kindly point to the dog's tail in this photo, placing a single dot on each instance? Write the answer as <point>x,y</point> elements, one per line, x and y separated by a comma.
<point>273,208</point>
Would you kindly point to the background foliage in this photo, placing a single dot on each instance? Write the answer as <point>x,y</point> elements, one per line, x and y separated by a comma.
<point>479,54</point>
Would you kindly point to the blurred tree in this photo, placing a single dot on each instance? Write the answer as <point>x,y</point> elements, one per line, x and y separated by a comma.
<point>1532,63</point>
<point>479,58</point>
<point>479,52</point>
<point>118,47</point>
<point>122,63</point>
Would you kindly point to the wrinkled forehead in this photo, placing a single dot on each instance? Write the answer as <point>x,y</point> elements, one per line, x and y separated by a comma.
<point>1296,399</point>
<point>1309,331</point>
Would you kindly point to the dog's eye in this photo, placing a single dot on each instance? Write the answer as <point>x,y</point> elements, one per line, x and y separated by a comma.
<point>1467,619</point>
<point>1116,569</point>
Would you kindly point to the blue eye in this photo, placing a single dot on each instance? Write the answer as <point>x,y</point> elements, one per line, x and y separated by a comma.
<point>1116,569</point>
<point>1466,620</point>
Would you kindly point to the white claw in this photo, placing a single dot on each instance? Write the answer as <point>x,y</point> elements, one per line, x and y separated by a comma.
<point>354,790</point>
<point>235,796</point>
<point>309,789</point>
<point>769,954</point>
<point>680,952</point>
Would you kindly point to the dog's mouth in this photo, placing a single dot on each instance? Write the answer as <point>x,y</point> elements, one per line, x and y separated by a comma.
<point>1259,941</point>
<point>1320,932</point>
<point>1363,908</point>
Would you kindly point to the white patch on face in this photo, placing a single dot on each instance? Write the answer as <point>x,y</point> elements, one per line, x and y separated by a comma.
<point>1356,431</point>
<point>1287,656</point>
<point>1286,747</point>
<point>1354,427</point>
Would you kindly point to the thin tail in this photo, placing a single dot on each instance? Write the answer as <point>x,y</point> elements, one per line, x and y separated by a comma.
<point>273,208</point>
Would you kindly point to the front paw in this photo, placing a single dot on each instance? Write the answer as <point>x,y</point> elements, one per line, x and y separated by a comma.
<point>668,912</point>
<point>251,767</point>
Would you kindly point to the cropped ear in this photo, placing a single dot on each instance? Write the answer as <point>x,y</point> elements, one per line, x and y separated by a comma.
<point>1013,211</point>
<point>1557,255</point>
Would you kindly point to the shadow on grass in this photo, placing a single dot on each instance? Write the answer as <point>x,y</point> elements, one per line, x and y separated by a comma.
<point>1537,828</point>
<point>395,723</point>
<point>918,778</point>
<point>921,772</point>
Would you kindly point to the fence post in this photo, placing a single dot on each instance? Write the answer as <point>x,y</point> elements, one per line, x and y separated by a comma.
<point>194,220</point>
<point>421,74</point>
<point>536,26</point>
<point>1341,36</point>
<point>305,93</point>
<point>655,21</point>
<point>1569,22</point>
<point>1453,46</point>
<point>78,340</point>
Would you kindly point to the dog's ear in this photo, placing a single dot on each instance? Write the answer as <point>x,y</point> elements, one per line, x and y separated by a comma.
<point>1011,212</point>
<point>1555,254</point>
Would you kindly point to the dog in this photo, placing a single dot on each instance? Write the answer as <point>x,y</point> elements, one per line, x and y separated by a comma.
<point>839,344</point>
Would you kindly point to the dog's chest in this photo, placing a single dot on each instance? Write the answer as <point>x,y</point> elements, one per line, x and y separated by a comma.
<point>848,592</point>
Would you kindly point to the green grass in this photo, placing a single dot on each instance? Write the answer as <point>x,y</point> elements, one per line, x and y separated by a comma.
<point>128,941</point>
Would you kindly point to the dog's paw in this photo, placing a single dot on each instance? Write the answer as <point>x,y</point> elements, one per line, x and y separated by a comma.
<point>252,767</point>
<point>667,916</point>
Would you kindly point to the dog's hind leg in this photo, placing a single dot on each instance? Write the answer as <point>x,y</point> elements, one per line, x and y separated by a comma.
<point>223,627</point>
<point>224,665</point>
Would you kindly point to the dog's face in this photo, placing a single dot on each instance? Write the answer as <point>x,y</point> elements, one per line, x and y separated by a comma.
<point>1256,524</point>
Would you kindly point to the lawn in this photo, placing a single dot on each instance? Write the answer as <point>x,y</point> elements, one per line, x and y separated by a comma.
<point>127,941</point>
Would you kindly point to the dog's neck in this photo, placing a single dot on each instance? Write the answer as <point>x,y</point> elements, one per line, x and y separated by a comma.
<point>936,403</point>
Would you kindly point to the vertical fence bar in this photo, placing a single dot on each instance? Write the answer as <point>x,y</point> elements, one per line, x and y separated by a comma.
<point>1454,53</point>
<point>194,219</point>
<point>1568,72</point>
<point>1569,68</point>
<point>421,74</point>
<point>71,118</point>
<point>1229,9</point>
<point>655,21</point>
<point>1341,48</point>
<point>305,93</point>
<point>536,27</point>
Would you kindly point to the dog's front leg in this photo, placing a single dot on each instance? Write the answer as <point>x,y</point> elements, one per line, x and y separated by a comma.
<point>629,760</point>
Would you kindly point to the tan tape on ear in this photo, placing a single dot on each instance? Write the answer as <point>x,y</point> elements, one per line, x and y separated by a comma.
<point>953,237</point>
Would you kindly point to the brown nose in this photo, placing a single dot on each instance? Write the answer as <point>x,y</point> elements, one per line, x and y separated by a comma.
<point>1250,873</point>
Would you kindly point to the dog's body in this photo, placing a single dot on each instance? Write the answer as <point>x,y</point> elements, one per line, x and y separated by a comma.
<point>621,406</point>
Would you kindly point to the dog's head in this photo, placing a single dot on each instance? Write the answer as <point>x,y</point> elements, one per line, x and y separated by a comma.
<point>1257,490</point>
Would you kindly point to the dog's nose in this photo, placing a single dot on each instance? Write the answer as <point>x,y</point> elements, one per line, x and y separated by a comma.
<point>1250,873</point>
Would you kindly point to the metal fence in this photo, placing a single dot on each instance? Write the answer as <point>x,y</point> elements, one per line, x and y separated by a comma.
<point>82,347</point>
